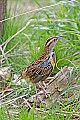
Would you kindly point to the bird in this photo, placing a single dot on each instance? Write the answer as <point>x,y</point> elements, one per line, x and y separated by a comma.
<point>43,66</point>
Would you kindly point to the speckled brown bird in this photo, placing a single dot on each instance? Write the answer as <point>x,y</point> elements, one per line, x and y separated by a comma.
<point>42,67</point>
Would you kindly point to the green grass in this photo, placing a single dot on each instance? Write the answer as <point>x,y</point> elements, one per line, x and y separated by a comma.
<point>62,19</point>
<point>65,23</point>
<point>59,111</point>
<point>3,115</point>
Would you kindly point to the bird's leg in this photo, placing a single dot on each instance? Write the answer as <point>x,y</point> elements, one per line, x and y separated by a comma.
<point>44,84</point>
<point>37,94</point>
<point>43,88</point>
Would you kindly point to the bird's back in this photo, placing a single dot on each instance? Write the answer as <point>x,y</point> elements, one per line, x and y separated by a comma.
<point>40,69</point>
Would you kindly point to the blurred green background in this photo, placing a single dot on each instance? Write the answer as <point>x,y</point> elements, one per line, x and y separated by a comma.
<point>45,18</point>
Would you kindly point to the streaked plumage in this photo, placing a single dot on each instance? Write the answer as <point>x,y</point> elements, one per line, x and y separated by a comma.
<point>41,68</point>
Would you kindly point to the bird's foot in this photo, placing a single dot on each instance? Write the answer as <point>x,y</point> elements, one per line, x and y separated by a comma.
<point>38,97</point>
<point>47,94</point>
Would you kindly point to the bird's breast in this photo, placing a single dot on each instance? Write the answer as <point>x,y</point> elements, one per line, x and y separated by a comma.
<point>53,63</point>
<point>52,59</point>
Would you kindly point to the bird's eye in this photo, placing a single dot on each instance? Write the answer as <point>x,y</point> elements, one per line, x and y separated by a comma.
<point>54,39</point>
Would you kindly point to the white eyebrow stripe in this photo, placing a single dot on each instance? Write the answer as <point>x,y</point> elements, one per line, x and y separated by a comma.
<point>49,42</point>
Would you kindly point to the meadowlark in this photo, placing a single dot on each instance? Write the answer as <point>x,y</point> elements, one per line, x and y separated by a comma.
<point>42,67</point>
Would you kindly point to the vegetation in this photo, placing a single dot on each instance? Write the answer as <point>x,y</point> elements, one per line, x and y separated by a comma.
<point>25,35</point>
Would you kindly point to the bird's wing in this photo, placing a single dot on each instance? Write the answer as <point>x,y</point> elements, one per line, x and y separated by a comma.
<point>44,64</point>
<point>40,71</point>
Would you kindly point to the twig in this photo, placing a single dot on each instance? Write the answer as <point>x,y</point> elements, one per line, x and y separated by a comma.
<point>4,54</point>
<point>5,95</point>
<point>12,100</point>
<point>11,48</point>
<point>59,112</point>
<point>8,113</point>
<point>66,60</point>
<point>28,38</point>
<point>9,39</point>
<point>27,103</point>
<point>39,9</point>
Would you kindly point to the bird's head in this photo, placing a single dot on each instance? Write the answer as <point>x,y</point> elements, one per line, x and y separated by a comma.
<point>51,42</point>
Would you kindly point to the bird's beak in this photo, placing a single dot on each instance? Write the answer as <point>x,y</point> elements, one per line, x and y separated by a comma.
<point>59,37</point>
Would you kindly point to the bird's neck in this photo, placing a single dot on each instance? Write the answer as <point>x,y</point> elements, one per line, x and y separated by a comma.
<point>48,50</point>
